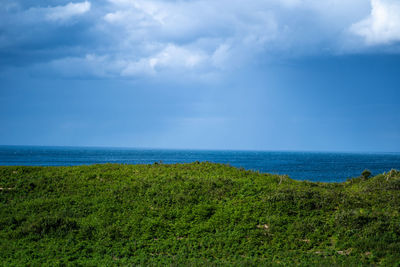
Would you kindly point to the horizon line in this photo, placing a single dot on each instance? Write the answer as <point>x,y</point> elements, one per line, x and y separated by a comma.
<point>206,149</point>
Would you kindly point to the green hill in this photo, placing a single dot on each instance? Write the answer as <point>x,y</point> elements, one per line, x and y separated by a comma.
<point>198,213</point>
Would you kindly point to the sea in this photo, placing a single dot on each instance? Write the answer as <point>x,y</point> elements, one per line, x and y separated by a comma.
<point>311,166</point>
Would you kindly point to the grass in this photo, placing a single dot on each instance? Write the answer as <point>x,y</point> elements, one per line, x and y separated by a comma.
<point>194,214</point>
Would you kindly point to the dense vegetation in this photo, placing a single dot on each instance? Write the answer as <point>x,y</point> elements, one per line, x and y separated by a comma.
<point>198,213</point>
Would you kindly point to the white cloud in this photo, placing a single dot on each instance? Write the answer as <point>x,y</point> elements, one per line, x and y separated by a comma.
<point>67,11</point>
<point>170,58</point>
<point>174,56</point>
<point>192,35</point>
<point>382,26</point>
<point>38,14</point>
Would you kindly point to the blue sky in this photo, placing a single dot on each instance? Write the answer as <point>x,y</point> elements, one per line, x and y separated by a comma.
<point>259,74</point>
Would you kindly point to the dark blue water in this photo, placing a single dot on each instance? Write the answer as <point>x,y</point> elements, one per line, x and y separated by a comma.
<point>313,166</point>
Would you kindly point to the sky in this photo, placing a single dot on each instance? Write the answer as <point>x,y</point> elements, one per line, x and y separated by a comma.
<point>201,74</point>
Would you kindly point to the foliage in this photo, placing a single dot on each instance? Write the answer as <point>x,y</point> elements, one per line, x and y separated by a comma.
<point>366,174</point>
<point>194,214</point>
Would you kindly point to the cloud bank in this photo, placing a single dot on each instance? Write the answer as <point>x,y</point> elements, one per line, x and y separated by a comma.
<point>137,38</point>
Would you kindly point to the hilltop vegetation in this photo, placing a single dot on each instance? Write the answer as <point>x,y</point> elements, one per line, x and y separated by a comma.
<point>198,213</point>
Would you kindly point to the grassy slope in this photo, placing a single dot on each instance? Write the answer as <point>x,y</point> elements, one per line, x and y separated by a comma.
<point>193,213</point>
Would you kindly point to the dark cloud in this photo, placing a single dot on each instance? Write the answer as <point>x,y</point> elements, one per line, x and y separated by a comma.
<point>29,36</point>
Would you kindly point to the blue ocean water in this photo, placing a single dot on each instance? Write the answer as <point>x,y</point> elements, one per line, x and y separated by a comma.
<point>312,166</point>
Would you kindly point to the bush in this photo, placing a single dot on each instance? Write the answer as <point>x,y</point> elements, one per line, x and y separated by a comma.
<point>366,174</point>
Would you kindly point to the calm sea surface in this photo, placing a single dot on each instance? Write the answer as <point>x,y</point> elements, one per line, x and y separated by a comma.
<point>313,166</point>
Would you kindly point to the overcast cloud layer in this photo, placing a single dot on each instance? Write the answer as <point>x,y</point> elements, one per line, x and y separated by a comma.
<point>139,38</point>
